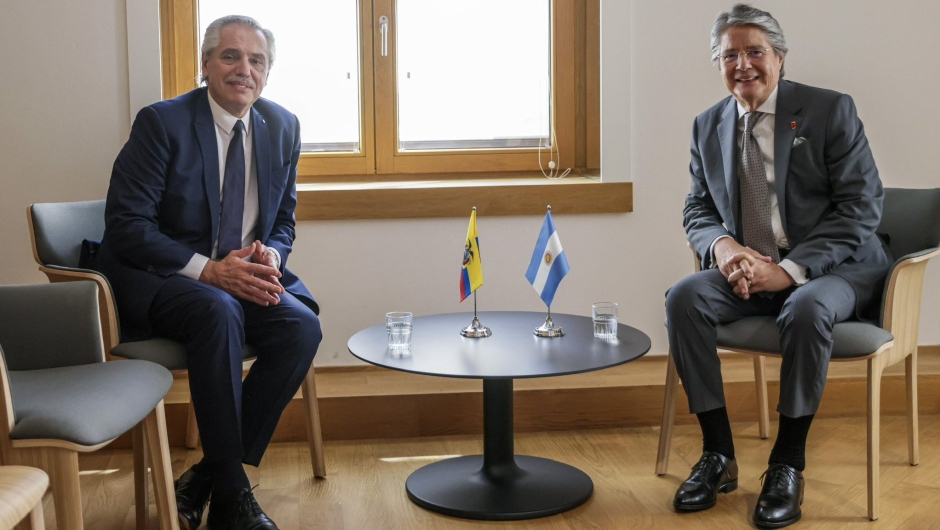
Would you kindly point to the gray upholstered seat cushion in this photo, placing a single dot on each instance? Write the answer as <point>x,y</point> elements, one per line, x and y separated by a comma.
<point>86,404</point>
<point>850,339</point>
<point>165,352</point>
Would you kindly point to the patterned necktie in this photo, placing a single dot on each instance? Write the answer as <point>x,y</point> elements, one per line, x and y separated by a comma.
<point>233,195</point>
<point>755,195</point>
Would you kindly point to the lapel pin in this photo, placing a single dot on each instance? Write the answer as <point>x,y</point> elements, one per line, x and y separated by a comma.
<point>793,125</point>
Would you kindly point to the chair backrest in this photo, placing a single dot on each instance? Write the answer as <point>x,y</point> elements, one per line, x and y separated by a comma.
<point>911,220</point>
<point>58,229</point>
<point>50,325</point>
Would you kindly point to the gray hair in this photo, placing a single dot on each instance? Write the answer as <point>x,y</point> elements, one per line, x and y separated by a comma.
<point>214,36</point>
<point>745,15</point>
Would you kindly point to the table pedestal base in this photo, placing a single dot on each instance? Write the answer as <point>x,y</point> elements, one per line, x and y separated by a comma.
<point>529,488</point>
<point>498,485</point>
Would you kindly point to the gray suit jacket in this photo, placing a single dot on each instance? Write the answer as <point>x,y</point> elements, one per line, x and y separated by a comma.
<point>828,187</point>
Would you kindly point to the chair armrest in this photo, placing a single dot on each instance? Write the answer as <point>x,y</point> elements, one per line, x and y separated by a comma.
<point>917,257</point>
<point>900,309</point>
<point>7,416</point>
<point>696,263</point>
<point>107,309</point>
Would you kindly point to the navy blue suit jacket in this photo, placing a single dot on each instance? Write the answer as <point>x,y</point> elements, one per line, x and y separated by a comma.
<point>164,200</point>
<point>828,188</point>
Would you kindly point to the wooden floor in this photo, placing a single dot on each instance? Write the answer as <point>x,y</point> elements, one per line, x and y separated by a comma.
<point>365,486</point>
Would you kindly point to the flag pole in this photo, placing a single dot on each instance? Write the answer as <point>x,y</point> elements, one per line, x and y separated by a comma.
<point>549,329</point>
<point>476,330</point>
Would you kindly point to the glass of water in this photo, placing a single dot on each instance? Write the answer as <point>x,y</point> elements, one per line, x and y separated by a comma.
<point>605,320</point>
<point>399,325</point>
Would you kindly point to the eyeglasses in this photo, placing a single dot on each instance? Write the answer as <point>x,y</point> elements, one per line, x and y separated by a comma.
<point>755,55</point>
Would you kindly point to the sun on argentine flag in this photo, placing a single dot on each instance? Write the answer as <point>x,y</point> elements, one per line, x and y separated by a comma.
<point>549,263</point>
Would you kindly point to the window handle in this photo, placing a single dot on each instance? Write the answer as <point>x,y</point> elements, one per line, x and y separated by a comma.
<point>383,29</point>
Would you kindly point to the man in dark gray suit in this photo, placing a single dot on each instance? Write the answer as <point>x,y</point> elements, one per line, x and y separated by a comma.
<point>784,205</point>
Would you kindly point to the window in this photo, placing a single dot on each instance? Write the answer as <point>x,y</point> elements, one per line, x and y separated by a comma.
<point>473,75</point>
<point>390,90</point>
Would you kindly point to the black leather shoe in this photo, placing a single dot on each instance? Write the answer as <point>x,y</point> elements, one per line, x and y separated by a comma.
<point>712,474</point>
<point>192,493</point>
<point>240,512</point>
<point>780,498</point>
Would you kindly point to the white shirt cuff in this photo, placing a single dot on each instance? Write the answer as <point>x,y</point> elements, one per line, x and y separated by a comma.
<point>277,257</point>
<point>711,250</point>
<point>193,269</point>
<point>795,270</point>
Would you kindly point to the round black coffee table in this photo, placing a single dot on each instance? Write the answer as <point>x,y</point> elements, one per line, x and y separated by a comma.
<point>499,485</point>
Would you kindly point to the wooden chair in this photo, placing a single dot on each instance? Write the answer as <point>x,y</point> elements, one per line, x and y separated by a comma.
<point>57,231</point>
<point>21,491</point>
<point>911,226</point>
<point>58,396</point>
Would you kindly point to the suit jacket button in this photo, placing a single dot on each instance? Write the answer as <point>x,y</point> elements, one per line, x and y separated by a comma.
<point>150,268</point>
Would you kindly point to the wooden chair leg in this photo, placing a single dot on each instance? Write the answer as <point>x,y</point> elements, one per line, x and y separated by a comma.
<point>910,373</point>
<point>62,467</point>
<point>875,368</point>
<point>141,495</point>
<point>155,431</point>
<point>669,417</point>
<point>763,412</point>
<point>192,428</point>
<point>314,434</point>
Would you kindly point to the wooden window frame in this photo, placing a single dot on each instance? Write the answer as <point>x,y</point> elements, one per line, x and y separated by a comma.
<point>370,183</point>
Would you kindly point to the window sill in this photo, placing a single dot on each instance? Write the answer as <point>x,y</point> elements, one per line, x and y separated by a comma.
<point>455,198</point>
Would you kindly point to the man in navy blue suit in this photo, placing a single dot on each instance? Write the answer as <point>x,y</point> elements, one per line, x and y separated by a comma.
<point>199,225</point>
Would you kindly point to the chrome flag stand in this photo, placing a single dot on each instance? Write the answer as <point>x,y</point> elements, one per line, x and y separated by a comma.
<point>476,330</point>
<point>549,329</point>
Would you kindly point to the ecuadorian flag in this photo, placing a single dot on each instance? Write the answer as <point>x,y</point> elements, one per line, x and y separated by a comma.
<point>471,270</point>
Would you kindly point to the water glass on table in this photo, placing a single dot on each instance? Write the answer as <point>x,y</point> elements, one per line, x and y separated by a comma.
<point>605,320</point>
<point>399,325</point>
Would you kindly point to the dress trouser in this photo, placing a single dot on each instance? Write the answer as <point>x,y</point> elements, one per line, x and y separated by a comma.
<point>805,317</point>
<point>237,419</point>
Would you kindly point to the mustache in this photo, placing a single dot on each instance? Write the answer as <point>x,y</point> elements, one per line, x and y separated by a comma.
<point>245,80</point>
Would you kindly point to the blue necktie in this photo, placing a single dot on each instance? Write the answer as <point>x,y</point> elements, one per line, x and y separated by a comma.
<point>233,195</point>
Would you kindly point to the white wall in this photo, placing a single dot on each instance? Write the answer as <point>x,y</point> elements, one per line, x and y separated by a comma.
<point>63,112</point>
<point>64,115</point>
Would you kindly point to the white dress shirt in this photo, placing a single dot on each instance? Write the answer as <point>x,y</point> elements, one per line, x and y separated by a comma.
<point>224,127</point>
<point>763,132</point>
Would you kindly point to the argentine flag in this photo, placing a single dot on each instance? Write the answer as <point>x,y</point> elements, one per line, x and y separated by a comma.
<point>549,264</point>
